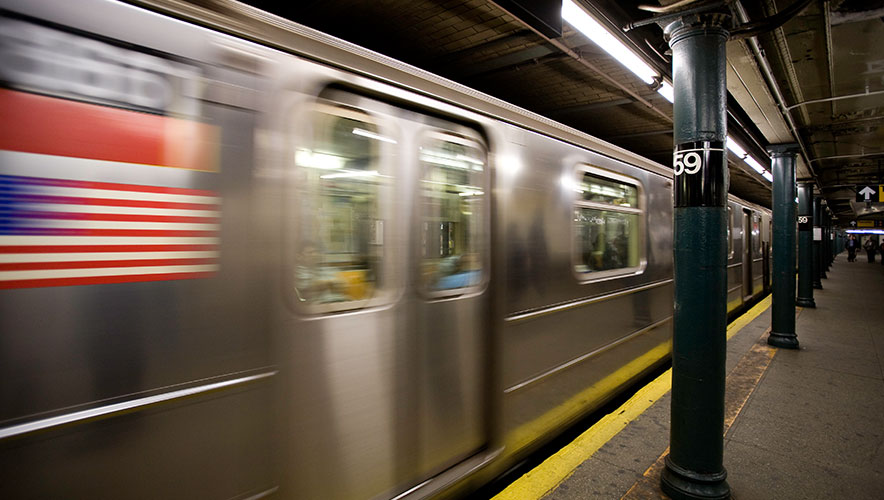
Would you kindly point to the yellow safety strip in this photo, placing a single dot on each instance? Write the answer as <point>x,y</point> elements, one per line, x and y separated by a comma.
<point>557,468</point>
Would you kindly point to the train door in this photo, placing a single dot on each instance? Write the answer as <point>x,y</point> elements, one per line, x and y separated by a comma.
<point>387,271</point>
<point>748,244</point>
<point>451,249</point>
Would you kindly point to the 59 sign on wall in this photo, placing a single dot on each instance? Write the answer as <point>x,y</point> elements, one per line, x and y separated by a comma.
<point>701,177</point>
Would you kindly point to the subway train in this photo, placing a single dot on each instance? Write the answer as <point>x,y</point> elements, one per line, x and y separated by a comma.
<point>243,259</point>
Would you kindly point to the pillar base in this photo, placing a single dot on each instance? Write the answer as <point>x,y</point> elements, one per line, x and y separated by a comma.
<point>805,302</point>
<point>823,275</point>
<point>783,340</point>
<point>683,484</point>
<point>817,285</point>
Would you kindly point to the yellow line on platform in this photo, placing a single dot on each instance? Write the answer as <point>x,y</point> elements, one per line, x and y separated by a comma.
<point>560,466</point>
<point>738,324</point>
<point>557,468</point>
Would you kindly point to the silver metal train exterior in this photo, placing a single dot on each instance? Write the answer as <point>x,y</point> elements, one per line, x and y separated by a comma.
<point>241,259</point>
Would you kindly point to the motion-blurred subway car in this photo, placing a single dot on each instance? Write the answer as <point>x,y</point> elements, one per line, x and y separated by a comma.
<point>243,259</point>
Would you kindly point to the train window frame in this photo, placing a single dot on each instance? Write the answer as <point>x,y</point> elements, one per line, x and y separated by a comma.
<point>480,231</point>
<point>640,211</point>
<point>303,137</point>
<point>756,235</point>
<point>730,232</point>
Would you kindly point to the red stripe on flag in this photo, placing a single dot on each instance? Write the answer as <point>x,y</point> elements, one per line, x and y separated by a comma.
<point>116,217</point>
<point>115,186</point>
<point>150,233</point>
<point>9,249</point>
<point>48,125</point>
<point>90,264</point>
<point>99,280</point>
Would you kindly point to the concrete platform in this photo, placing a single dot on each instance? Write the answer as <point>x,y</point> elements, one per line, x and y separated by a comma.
<point>800,424</point>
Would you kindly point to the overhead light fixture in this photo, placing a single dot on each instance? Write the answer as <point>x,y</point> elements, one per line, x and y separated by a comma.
<point>735,148</point>
<point>865,231</point>
<point>666,91</point>
<point>595,31</point>
<point>738,150</point>
<point>752,162</point>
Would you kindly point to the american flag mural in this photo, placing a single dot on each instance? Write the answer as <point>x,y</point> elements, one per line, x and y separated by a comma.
<point>61,225</point>
<point>56,232</point>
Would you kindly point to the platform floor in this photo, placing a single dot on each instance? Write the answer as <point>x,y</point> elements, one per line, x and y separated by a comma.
<point>800,424</point>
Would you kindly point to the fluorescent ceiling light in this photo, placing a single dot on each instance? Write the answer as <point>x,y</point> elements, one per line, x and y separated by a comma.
<point>752,162</point>
<point>372,135</point>
<point>736,148</point>
<point>666,91</point>
<point>591,28</point>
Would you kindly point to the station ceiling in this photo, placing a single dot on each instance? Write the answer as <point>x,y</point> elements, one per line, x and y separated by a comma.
<point>816,79</point>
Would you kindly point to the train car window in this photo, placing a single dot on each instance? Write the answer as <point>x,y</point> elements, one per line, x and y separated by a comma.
<point>453,205</point>
<point>756,234</point>
<point>340,233</point>
<point>730,233</point>
<point>607,224</point>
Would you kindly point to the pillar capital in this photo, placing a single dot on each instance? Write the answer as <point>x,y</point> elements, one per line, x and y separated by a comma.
<point>701,23</point>
<point>786,149</point>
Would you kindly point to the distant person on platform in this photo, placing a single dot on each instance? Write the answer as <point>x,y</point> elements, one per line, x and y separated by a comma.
<point>870,247</point>
<point>881,249</point>
<point>851,246</point>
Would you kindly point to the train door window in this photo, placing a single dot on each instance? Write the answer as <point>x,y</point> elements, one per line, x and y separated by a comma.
<point>340,231</point>
<point>730,233</point>
<point>607,225</point>
<point>756,234</point>
<point>453,205</point>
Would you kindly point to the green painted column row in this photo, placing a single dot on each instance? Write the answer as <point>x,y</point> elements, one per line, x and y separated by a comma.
<point>817,242</point>
<point>805,245</point>
<point>782,332</point>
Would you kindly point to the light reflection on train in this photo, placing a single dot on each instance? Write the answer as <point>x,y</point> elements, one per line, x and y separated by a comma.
<point>231,271</point>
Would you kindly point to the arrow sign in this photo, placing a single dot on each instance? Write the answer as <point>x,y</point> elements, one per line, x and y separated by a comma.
<point>865,193</point>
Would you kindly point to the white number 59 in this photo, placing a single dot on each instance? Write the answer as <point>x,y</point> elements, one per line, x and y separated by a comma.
<point>687,163</point>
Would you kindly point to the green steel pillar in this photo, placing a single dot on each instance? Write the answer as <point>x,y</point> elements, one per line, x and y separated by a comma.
<point>694,468</point>
<point>782,332</point>
<point>805,245</point>
<point>827,245</point>
<point>833,250</point>
<point>817,242</point>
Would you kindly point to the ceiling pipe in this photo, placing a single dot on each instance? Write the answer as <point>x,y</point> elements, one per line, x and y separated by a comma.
<point>864,155</point>
<point>748,30</point>
<point>836,98</point>
<point>830,51</point>
<point>663,18</point>
<point>767,72</point>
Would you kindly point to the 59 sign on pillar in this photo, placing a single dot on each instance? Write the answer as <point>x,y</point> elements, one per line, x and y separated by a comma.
<point>701,177</point>
<point>689,162</point>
